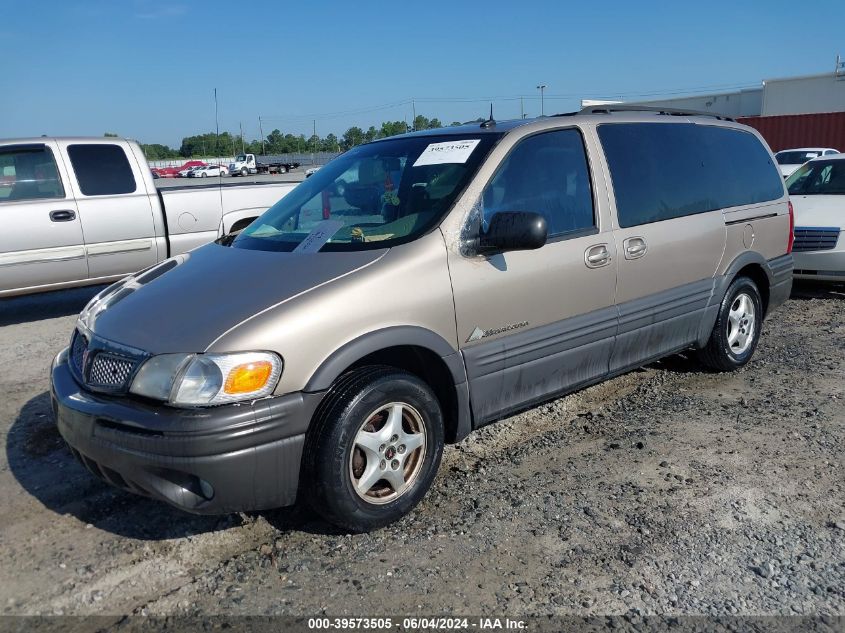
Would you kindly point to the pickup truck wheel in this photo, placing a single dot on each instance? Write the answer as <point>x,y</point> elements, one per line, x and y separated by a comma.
<point>737,330</point>
<point>283,170</point>
<point>374,448</point>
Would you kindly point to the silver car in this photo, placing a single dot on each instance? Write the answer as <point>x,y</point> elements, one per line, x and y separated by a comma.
<point>330,349</point>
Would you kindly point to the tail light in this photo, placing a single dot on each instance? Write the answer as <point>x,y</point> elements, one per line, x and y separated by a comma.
<point>791,239</point>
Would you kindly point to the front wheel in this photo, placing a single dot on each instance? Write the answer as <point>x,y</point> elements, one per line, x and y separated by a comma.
<point>203,175</point>
<point>244,172</point>
<point>374,448</point>
<point>737,330</point>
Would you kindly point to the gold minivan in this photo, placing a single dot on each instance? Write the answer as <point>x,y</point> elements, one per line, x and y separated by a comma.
<point>417,288</point>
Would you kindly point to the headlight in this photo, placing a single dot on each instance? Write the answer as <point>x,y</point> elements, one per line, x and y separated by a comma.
<point>208,379</point>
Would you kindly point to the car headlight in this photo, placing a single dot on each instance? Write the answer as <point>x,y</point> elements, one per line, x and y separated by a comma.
<point>208,379</point>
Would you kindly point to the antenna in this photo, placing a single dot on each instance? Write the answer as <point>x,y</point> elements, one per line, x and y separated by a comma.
<point>491,121</point>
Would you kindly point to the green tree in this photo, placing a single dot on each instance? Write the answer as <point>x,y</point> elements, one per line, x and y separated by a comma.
<point>421,122</point>
<point>392,128</point>
<point>110,135</point>
<point>156,151</point>
<point>354,136</point>
<point>330,143</point>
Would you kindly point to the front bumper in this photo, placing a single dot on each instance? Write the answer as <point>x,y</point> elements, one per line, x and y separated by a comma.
<point>821,265</point>
<point>216,460</point>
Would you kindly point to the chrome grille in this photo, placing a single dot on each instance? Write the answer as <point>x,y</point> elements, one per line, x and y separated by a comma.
<point>110,371</point>
<point>810,238</point>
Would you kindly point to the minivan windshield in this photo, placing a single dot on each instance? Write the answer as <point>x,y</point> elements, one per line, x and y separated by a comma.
<point>820,178</point>
<point>374,196</point>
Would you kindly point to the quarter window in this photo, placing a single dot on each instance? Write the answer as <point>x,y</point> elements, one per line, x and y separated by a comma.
<point>547,174</point>
<point>662,171</point>
<point>101,170</point>
<point>29,173</point>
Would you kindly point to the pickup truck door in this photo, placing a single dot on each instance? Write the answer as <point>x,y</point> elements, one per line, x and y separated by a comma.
<point>41,241</point>
<point>534,323</point>
<point>114,205</point>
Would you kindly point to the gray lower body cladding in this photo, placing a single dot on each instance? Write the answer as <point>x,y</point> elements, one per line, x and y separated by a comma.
<point>527,367</point>
<point>206,461</point>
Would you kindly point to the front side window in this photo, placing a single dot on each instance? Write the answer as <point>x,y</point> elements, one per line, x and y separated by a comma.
<point>374,196</point>
<point>662,171</point>
<point>819,178</point>
<point>547,174</point>
<point>29,173</point>
<point>101,170</point>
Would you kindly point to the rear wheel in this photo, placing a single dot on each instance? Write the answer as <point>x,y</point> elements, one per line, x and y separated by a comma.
<point>374,448</point>
<point>737,330</point>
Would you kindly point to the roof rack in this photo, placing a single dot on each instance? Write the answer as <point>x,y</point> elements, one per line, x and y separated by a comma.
<point>611,108</point>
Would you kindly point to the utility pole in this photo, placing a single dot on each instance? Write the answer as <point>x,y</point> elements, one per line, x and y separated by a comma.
<point>243,151</point>
<point>542,88</point>
<point>261,131</point>
<point>414,109</point>
<point>521,107</point>
<point>216,123</point>
<point>315,142</point>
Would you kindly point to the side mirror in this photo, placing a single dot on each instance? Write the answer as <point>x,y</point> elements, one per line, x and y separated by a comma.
<point>513,231</point>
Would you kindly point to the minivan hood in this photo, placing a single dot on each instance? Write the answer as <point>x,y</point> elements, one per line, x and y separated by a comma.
<point>819,210</point>
<point>188,301</point>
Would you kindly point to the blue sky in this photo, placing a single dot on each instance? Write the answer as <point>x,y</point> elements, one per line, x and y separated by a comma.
<point>147,69</point>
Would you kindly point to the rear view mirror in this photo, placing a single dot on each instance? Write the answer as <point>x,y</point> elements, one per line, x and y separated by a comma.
<point>513,231</point>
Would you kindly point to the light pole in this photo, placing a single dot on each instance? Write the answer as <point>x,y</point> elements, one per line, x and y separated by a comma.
<point>541,88</point>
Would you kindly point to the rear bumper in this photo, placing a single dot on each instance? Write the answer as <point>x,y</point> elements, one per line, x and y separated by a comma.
<point>206,461</point>
<point>780,277</point>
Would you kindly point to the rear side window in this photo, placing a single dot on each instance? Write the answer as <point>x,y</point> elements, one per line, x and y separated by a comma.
<point>547,174</point>
<point>662,171</point>
<point>29,173</point>
<point>101,170</point>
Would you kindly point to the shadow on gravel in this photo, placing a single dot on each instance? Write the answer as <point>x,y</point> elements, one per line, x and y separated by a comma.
<point>42,464</point>
<point>802,289</point>
<point>46,305</point>
<point>679,364</point>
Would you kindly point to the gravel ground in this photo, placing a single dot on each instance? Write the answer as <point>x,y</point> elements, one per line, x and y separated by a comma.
<point>669,490</point>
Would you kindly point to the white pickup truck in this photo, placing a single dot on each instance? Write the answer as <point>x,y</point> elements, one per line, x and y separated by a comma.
<point>78,211</point>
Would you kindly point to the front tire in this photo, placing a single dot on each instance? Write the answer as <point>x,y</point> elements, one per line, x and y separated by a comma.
<point>737,330</point>
<point>374,448</point>
<point>244,172</point>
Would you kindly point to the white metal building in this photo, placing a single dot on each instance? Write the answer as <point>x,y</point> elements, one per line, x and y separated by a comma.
<point>806,94</point>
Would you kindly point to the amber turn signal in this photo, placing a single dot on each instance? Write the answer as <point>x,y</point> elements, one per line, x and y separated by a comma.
<point>248,377</point>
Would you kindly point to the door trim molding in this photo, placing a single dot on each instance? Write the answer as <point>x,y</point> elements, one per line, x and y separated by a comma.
<point>42,255</point>
<point>120,246</point>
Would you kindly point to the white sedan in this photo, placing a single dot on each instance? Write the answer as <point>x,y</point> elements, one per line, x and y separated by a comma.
<point>209,170</point>
<point>791,159</point>
<point>817,192</point>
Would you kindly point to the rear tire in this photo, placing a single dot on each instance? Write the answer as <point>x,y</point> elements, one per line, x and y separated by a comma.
<point>737,330</point>
<point>373,449</point>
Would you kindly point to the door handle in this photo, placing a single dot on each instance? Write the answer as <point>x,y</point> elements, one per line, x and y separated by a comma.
<point>62,215</point>
<point>634,247</point>
<point>597,256</point>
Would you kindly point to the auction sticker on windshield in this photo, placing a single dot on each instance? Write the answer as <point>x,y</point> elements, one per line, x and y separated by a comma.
<point>320,234</point>
<point>448,152</point>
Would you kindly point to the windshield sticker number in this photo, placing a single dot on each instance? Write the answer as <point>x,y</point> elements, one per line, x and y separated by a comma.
<point>319,235</point>
<point>448,152</point>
